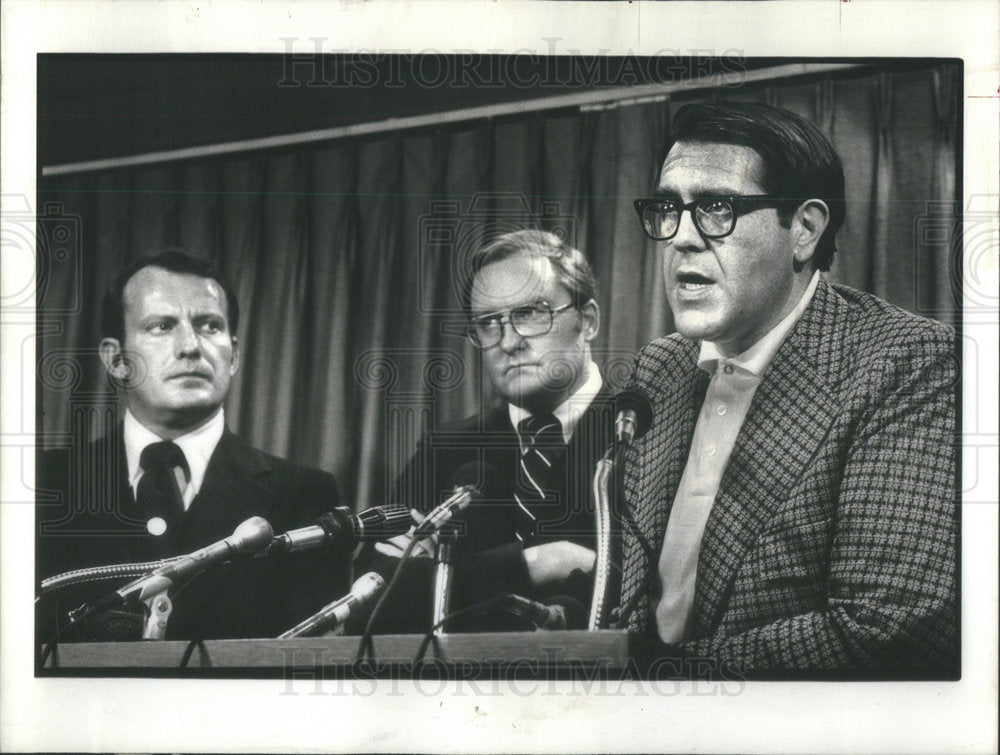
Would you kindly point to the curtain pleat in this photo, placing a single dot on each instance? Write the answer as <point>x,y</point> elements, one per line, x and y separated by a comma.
<point>937,257</point>
<point>347,257</point>
<point>882,184</point>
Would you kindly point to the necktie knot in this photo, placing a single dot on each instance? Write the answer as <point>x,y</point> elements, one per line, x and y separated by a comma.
<point>539,429</point>
<point>163,455</point>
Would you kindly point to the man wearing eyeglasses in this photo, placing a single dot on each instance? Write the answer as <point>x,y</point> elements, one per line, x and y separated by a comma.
<point>532,316</point>
<point>797,486</point>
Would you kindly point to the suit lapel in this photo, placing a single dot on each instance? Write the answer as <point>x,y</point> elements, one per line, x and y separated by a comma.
<point>790,415</point>
<point>573,473</point>
<point>592,434</point>
<point>661,482</point>
<point>655,464</point>
<point>231,493</point>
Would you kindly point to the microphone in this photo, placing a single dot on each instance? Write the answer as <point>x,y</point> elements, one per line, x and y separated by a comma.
<point>342,529</point>
<point>362,591</point>
<point>249,537</point>
<point>561,612</point>
<point>635,415</point>
<point>469,480</point>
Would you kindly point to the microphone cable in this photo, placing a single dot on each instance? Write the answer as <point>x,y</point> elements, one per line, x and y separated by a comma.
<point>366,649</point>
<point>76,617</point>
<point>431,636</point>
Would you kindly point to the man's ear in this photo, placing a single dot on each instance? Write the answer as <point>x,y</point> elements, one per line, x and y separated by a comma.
<point>590,320</point>
<point>113,359</point>
<point>808,225</point>
<point>234,363</point>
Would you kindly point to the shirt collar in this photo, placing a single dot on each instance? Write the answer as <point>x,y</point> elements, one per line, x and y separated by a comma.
<point>756,359</point>
<point>197,445</point>
<point>569,411</point>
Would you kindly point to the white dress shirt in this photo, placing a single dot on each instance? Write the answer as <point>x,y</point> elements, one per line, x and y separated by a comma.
<point>569,411</point>
<point>197,445</point>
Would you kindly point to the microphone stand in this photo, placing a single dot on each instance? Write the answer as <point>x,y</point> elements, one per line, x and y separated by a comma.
<point>603,476</point>
<point>634,419</point>
<point>158,609</point>
<point>443,577</point>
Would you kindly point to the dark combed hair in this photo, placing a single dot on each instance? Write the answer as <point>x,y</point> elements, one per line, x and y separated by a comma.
<point>799,162</point>
<point>571,267</point>
<point>113,309</point>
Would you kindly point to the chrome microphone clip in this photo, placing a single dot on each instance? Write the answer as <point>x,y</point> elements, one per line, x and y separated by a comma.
<point>634,416</point>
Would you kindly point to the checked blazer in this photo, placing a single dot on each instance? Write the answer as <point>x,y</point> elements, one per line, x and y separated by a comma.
<point>832,542</point>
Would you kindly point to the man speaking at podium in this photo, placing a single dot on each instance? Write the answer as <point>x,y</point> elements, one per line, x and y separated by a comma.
<point>532,315</point>
<point>170,478</point>
<point>796,491</point>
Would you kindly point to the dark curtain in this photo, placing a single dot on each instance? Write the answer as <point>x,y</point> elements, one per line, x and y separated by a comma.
<point>347,256</point>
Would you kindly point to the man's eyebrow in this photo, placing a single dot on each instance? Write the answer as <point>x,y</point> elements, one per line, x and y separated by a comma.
<point>698,192</point>
<point>158,317</point>
<point>505,310</point>
<point>209,315</point>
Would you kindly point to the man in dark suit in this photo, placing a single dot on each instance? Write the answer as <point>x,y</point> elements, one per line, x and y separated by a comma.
<point>532,315</point>
<point>796,493</point>
<point>170,478</point>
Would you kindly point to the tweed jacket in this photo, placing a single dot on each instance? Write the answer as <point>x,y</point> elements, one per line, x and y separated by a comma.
<point>84,516</point>
<point>832,542</point>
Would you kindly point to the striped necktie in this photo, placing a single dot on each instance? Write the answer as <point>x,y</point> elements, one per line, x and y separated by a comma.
<point>541,443</point>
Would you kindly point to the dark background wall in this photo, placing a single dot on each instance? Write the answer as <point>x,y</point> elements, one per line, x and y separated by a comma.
<point>346,252</point>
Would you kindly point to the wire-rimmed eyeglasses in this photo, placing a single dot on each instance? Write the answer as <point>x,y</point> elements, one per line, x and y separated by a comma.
<point>714,217</point>
<point>530,320</point>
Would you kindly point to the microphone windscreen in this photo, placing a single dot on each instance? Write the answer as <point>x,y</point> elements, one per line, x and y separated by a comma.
<point>114,626</point>
<point>251,536</point>
<point>367,586</point>
<point>635,400</point>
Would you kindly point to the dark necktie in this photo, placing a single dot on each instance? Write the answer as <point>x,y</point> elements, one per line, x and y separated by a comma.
<point>159,495</point>
<point>541,444</point>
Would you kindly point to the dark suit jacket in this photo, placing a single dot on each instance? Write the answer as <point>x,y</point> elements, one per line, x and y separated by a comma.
<point>489,558</point>
<point>85,517</point>
<point>832,540</point>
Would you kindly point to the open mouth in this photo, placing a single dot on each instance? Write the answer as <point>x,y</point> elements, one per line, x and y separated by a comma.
<point>693,281</point>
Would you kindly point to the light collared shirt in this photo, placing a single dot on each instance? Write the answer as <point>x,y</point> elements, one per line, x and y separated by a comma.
<point>197,445</point>
<point>731,389</point>
<point>569,411</point>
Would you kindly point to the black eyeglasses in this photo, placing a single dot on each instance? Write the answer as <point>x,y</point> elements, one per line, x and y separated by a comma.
<point>530,320</point>
<point>714,217</point>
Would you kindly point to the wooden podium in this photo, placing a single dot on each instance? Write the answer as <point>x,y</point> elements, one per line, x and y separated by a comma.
<point>524,654</point>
